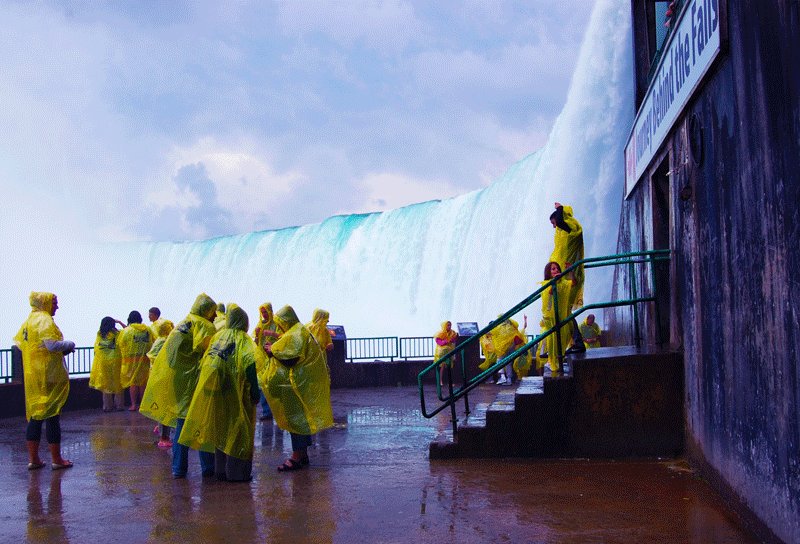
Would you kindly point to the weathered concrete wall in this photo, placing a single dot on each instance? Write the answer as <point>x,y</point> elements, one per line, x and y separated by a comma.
<point>734,228</point>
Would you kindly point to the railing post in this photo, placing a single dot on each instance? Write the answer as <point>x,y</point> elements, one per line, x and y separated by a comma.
<point>452,404</point>
<point>637,337</point>
<point>659,332</point>
<point>559,348</point>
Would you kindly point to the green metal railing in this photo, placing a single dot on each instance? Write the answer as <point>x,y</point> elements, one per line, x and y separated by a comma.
<point>456,360</point>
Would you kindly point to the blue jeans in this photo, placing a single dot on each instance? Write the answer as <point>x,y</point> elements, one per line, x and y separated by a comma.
<point>180,456</point>
<point>265,409</point>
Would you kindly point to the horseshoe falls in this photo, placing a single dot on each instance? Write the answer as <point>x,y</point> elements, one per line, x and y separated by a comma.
<point>395,273</point>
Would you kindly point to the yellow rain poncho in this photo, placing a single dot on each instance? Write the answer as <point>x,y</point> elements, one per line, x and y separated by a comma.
<point>266,332</point>
<point>46,378</point>
<point>296,380</point>
<point>161,329</point>
<point>222,413</point>
<point>176,368</point>
<point>591,331</point>
<point>489,354</point>
<point>220,320</point>
<point>445,342</point>
<point>134,342</point>
<point>106,365</point>
<point>563,288</point>
<point>522,364</point>
<point>506,338</point>
<point>318,327</point>
<point>568,248</point>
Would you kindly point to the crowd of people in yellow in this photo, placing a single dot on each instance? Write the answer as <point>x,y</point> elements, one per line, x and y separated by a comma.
<point>559,300</point>
<point>203,377</point>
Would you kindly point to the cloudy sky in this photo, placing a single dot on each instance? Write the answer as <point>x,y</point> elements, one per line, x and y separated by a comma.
<point>174,120</point>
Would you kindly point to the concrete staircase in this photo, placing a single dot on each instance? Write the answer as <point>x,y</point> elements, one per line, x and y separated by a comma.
<point>613,403</point>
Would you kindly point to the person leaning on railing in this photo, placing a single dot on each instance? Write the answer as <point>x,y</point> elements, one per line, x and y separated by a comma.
<point>560,290</point>
<point>46,380</point>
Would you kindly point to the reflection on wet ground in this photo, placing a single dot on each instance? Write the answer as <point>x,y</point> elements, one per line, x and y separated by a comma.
<point>370,481</point>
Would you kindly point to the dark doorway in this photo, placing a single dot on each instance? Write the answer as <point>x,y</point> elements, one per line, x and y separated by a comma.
<point>661,230</point>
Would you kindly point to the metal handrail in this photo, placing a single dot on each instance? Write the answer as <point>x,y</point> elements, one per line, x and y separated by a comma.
<point>6,369</point>
<point>454,394</point>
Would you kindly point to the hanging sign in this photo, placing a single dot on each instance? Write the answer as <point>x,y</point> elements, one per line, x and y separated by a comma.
<point>688,54</point>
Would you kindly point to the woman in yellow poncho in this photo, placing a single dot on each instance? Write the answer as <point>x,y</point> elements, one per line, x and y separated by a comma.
<point>135,341</point>
<point>46,380</point>
<point>318,327</point>
<point>161,329</point>
<point>221,417</point>
<point>106,366</point>
<point>265,334</point>
<point>560,292</point>
<point>297,385</point>
<point>445,342</point>
<point>174,377</point>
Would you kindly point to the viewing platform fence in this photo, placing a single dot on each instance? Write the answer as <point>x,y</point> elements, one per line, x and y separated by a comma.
<point>381,348</point>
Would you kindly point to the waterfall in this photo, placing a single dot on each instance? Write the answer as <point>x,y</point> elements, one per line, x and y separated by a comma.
<point>395,273</point>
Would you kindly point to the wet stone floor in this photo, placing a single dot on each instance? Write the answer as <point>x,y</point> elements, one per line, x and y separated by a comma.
<point>370,481</point>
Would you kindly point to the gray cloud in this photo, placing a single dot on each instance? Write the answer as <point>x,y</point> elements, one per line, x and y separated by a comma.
<point>199,217</point>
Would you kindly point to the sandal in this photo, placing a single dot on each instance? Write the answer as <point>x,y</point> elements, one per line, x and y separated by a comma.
<point>59,466</point>
<point>34,466</point>
<point>290,465</point>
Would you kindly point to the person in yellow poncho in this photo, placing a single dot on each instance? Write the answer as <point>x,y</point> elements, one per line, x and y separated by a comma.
<point>318,327</point>
<point>506,339</point>
<point>220,320</point>
<point>591,332</point>
<point>559,292</point>
<point>297,385</point>
<point>161,328</point>
<point>489,354</point>
<point>522,364</point>
<point>221,417</point>
<point>174,377</point>
<point>445,342</point>
<point>135,341</point>
<point>567,250</point>
<point>46,379</point>
<point>106,366</point>
<point>265,334</point>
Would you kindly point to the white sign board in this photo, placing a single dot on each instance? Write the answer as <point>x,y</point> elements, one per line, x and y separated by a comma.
<point>689,52</point>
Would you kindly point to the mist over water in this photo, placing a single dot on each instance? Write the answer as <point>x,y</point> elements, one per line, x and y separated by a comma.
<point>396,273</point>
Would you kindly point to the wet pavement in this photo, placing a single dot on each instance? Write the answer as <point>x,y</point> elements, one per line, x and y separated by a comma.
<point>370,480</point>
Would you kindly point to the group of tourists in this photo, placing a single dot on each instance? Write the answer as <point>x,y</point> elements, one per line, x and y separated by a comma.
<point>559,300</point>
<point>203,377</point>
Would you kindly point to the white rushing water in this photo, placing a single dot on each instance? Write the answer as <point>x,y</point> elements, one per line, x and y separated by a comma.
<point>397,273</point>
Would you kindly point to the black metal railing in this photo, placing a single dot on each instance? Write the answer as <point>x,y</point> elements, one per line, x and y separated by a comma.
<point>455,361</point>
<point>6,367</point>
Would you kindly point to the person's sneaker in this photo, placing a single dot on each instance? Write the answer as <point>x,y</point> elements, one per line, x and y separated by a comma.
<point>165,443</point>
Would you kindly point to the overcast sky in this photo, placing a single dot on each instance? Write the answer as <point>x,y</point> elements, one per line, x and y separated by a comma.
<point>188,120</point>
